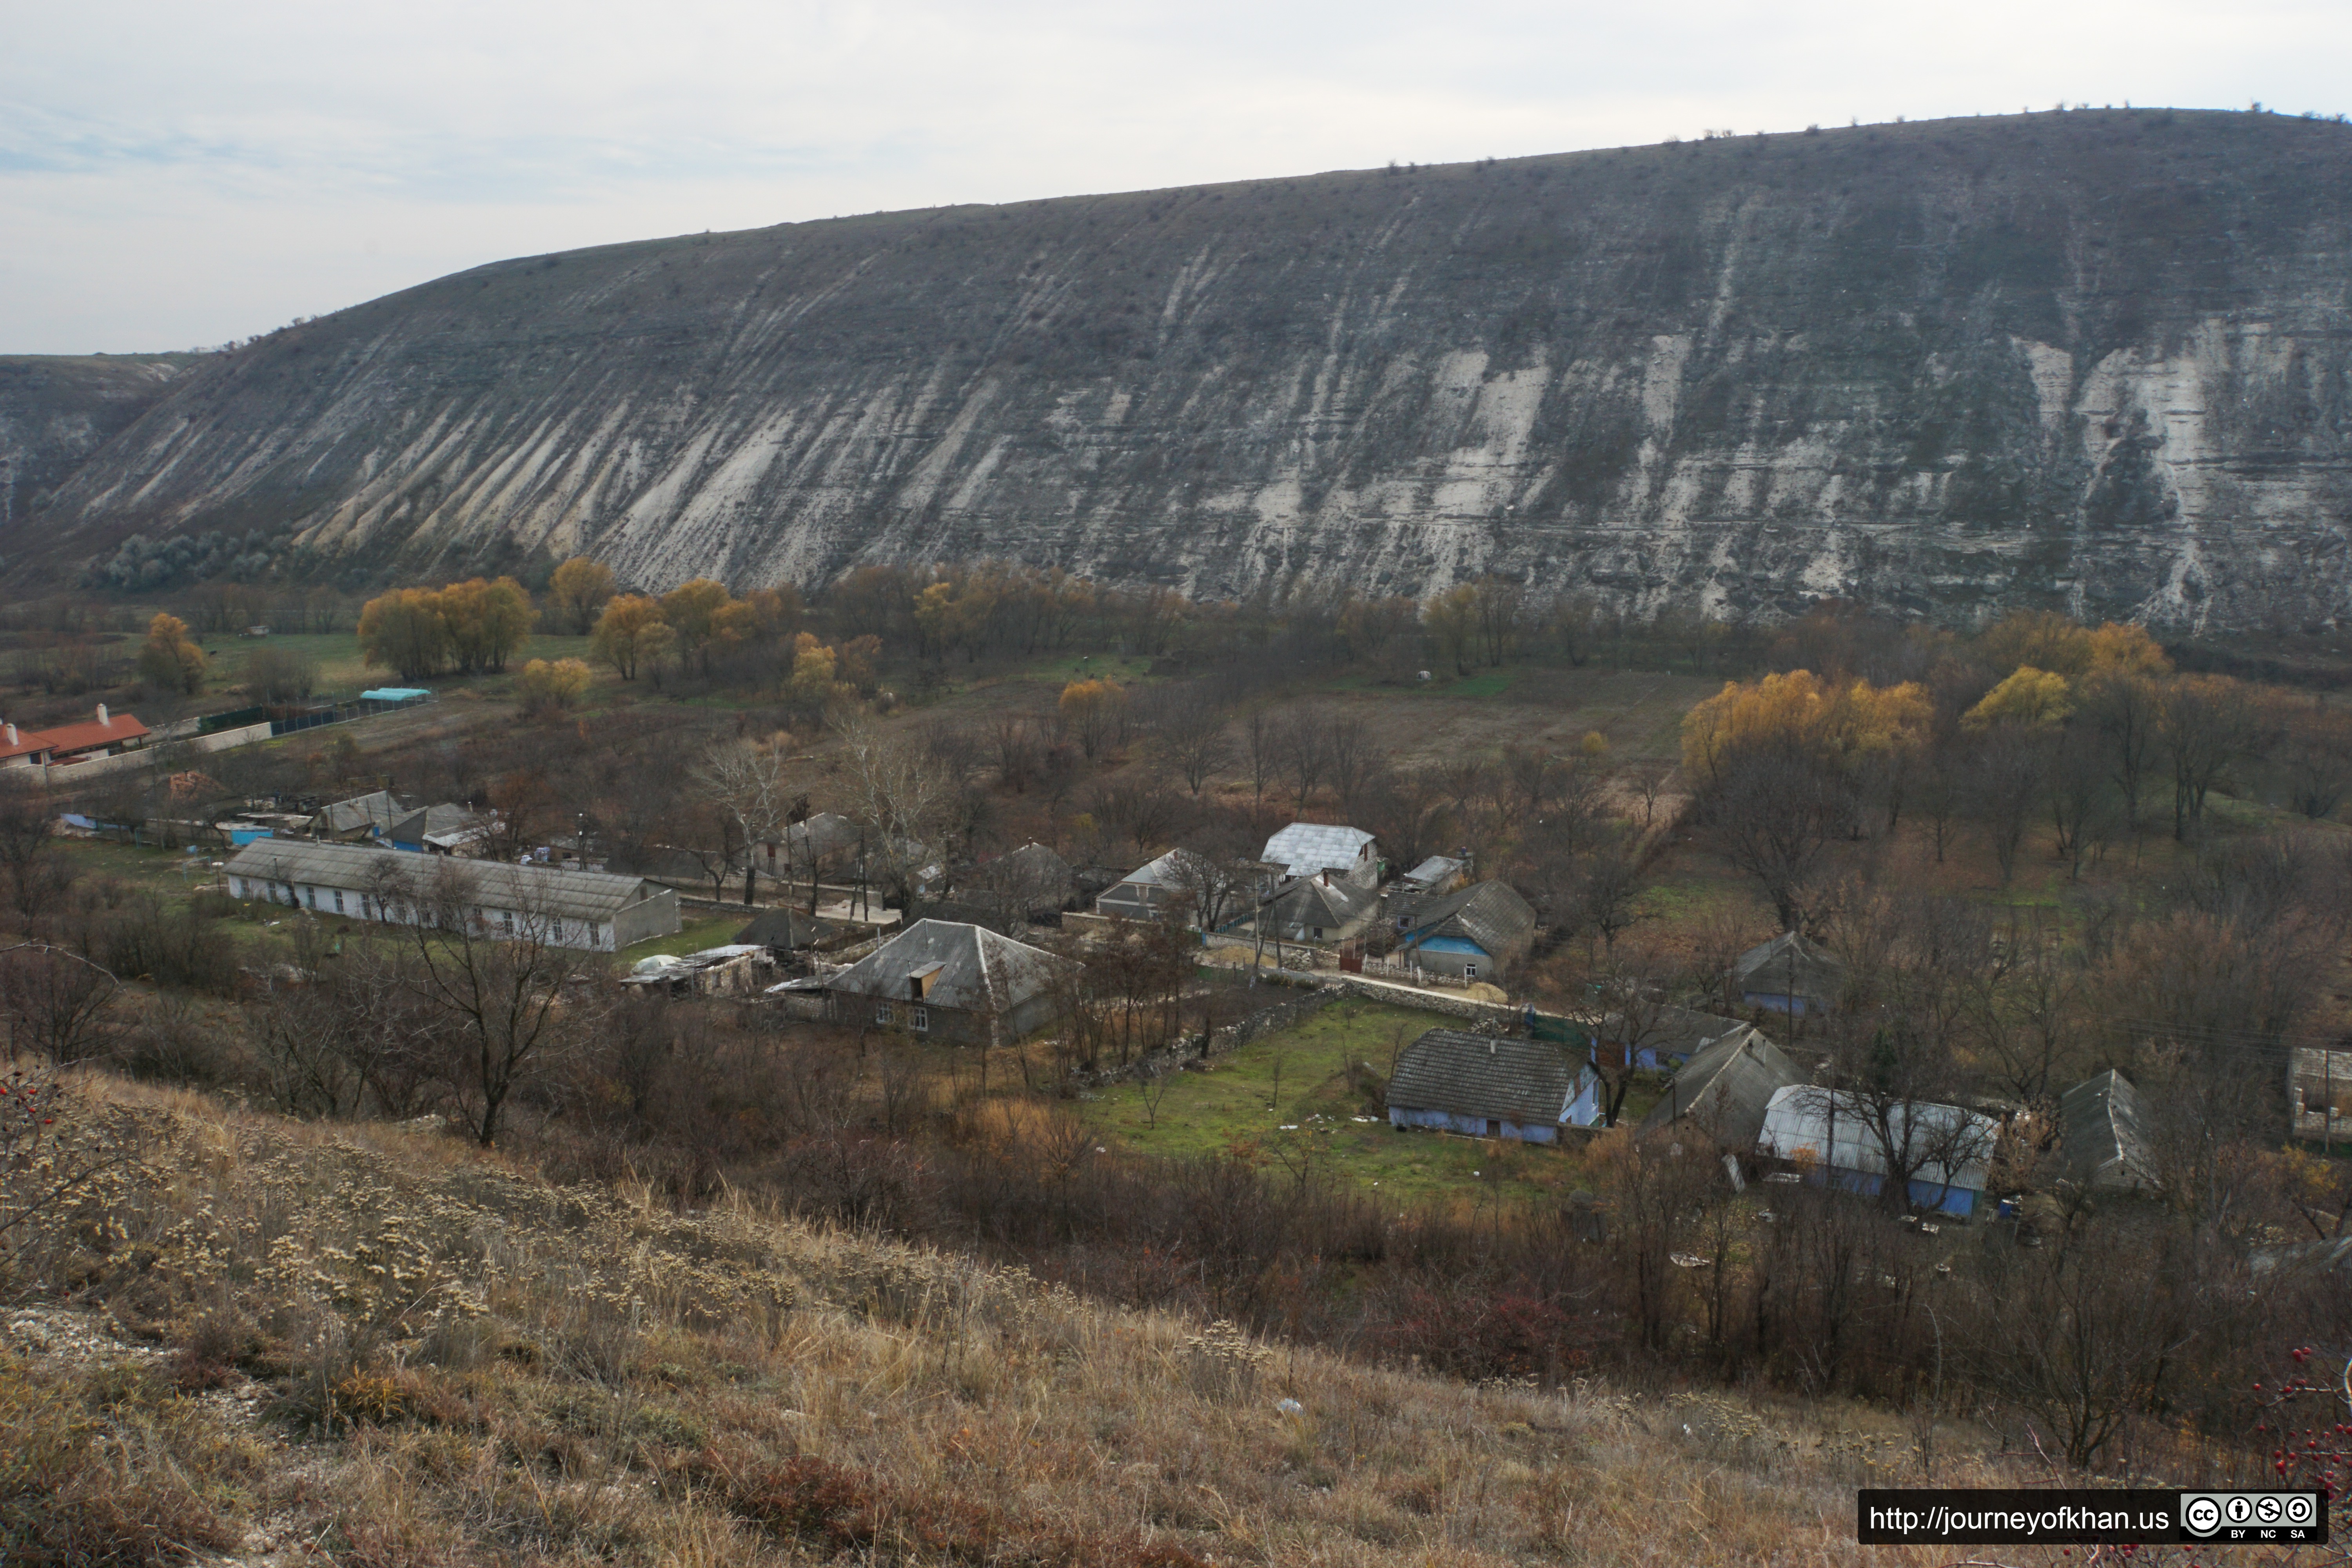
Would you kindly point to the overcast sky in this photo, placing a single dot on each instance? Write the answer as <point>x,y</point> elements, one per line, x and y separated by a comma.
<point>180,174</point>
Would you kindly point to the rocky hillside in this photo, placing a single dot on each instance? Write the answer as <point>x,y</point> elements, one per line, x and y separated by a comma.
<point>2095,360</point>
<point>56,409</point>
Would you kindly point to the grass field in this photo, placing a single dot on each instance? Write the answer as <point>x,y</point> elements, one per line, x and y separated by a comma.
<point>1298,1079</point>
<point>342,672</point>
<point>716,931</point>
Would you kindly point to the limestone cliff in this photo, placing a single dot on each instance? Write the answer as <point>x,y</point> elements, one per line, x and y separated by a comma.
<point>2095,360</point>
<point>57,409</point>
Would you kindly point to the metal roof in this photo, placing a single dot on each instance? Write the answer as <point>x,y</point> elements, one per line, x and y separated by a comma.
<point>1726,1088</point>
<point>786,928</point>
<point>1835,1127</point>
<point>1491,914</point>
<point>377,809</point>
<point>976,969</point>
<point>1330,905</point>
<point>1307,847</point>
<point>1508,1078</point>
<point>2102,1137</point>
<point>1435,869</point>
<point>483,884</point>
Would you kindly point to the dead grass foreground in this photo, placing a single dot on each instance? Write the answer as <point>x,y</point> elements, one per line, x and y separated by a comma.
<point>372,1345</point>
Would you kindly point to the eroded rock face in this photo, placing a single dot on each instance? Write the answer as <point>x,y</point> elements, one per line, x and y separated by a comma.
<point>57,409</point>
<point>2087,360</point>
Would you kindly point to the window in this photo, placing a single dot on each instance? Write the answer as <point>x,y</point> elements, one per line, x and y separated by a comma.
<point>339,900</point>
<point>506,923</point>
<point>556,933</point>
<point>919,1020</point>
<point>1469,972</point>
<point>596,935</point>
<point>882,1013</point>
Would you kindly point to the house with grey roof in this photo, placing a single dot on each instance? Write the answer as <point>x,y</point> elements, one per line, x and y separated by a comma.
<point>1148,892</point>
<point>1311,848</point>
<point>949,981</point>
<point>595,909</point>
<point>1437,874</point>
<point>1725,1088</point>
<point>1491,1086</point>
<point>1653,1037</point>
<point>1323,908</point>
<point>1032,882</point>
<point>1476,933</point>
<point>1789,975</point>
<point>2103,1136</point>
<point>443,829</point>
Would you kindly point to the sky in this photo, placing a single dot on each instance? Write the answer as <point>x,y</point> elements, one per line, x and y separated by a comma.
<point>175,176</point>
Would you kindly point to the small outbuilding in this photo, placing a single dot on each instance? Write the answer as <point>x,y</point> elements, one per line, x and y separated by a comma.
<point>786,932</point>
<point>1789,975</point>
<point>1725,1088</point>
<point>1491,1086</point>
<point>2103,1136</point>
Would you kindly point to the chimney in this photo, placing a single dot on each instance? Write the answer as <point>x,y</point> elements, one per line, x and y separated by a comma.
<point>103,720</point>
<point>11,734</point>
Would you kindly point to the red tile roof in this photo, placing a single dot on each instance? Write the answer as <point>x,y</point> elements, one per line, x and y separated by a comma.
<point>86,737</point>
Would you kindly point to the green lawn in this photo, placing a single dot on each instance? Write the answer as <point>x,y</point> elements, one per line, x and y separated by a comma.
<point>1297,1079</point>
<point>1124,669</point>
<point>716,930</point>
<point>342,672</point>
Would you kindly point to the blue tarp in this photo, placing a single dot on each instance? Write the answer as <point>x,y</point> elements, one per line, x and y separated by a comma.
<point>396,694</point>
<point>241,836</point>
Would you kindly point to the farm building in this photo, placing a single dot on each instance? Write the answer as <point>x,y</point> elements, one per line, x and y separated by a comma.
<point>1789,975</point>
<point>565,908</point>
<point>1477,933</point>
<point>1831,1133</point>
<point>1657,1037</point>
<point>1725,1088</point>
<point>949,981</point>
<point>443,829</point>
<point>2102,1137</point>
<point>1489,1086</point>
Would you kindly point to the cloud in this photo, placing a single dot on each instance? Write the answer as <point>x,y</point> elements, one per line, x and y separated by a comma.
<point>171,175</point>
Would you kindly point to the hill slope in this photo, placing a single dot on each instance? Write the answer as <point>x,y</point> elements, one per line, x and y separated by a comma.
<point>378,1343</point>
<point>56,409</point>
<point>2092,359</point>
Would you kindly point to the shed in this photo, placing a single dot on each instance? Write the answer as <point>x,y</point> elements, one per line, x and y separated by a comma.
<point>566,909</point>
<point>1306,848</point>
<point>1789,975</point>
<point>736,970</point>
<point>1725,1087</point>
<point>951,981</point>
<point>1489,1086</point>
<point>441,829</point>
<point>361,817</point>
<point>2102,1137</point>
<point>1477,933</point>
<point>1830,1131</point>
<point>1438,874</point>
<point>1667,1037</point>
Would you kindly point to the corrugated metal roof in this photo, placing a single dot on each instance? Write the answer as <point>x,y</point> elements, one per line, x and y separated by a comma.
<point>1798,1118</point>
<point>786,928</point>
<point>1434,870</point>
<point>1726,1088</point>
<point>1328,905</point>
<point>1507,1077</point>
<point>1307,847</point>
<point>377,809</point>
<point>978,969</point>
<point>483,884</point>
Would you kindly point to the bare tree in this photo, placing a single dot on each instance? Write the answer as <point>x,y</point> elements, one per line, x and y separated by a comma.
<point>746,780</point>
<point>2006,779</point>
<point>36,874</point>
<point>900,795</point>
<point>52,1001</point>
<point>1773,814</point>
<point>1353,760</point>
<point>1305,749</point>
<point>1191,736</point>
<point>1262,750</point>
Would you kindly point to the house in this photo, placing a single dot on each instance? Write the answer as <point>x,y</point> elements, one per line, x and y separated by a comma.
<point>1031,882</point>
<point>105,736</point>
<point>367,816</point>
<point>1311,848</point>
<point>1145,893</point>
<point>1789,975</point>
<point>782,932</point>
<point>1322,907</point>
<point>2103,1136</point>
<point>443,829</point>
<point>1657,1037</point>
<point>1490,1086</point>
<point>949,981</point>
<point>1438,874</point>
<point>1725,1087</point>
<point>591,910</point>
<point>1476,933</point>
<point>23,748</point>
<point>823,842</point>
<point>1830,1131</point>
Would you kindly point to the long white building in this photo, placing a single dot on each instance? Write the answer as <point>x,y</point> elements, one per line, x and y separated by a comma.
<point>595,909</point>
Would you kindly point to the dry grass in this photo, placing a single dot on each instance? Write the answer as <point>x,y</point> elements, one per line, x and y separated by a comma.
<point>397,1350</point>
